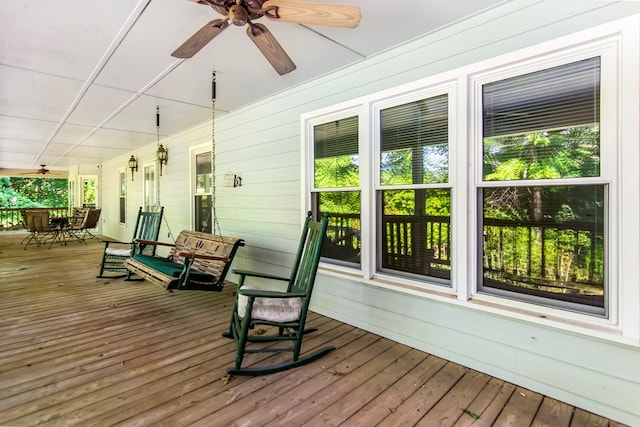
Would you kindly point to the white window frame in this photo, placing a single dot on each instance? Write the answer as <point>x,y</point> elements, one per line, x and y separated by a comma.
<point>153,195</point>
<point>448,88</point>
<point>193,152</point>
<point>122,198</point>
<point>607,51</point>
<point>341,112</point>
<point>617,43</point>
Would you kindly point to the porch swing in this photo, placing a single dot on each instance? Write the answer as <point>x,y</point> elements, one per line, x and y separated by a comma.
<point>197,260</point>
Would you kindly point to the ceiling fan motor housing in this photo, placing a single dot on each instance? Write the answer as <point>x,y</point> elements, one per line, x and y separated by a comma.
<point>238,15</point>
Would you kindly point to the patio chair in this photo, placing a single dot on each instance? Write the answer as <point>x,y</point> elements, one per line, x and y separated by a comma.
<point>116,253</point>
<point>41,232</point>
<point>74,225</point>
<point>284,313</point>
<point>93,216</point>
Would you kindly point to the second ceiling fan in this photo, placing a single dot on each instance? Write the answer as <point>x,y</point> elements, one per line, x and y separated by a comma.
<point>244,12</point>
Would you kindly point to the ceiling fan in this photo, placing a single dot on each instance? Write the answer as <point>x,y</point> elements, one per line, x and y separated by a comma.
<point>35,173</point>
<point>42,171</point>
<point>244,12</point>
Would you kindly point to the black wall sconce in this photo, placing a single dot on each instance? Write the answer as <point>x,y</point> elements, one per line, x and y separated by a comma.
<point>133,165</point>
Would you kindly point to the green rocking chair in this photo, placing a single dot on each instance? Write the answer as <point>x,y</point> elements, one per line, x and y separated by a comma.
<point>285,312</point>
<point>116,253</point>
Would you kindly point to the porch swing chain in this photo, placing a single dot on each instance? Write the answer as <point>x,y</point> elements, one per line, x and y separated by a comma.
<point>157,177</point>
<point>216,224</point>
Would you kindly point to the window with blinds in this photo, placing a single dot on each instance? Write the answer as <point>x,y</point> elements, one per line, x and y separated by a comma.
<point>122,197</point>
<point>336,180</point>
<point>544,235</point>
<point>203,197</point>
<point>414,221</point>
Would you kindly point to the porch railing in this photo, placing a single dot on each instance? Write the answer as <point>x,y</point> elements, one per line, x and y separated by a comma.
<point>565,256</point>
<point>11,218</point>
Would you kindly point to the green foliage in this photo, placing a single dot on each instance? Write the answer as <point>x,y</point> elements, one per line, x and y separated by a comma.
<point>342,202</point>
<point>33,192</point>
<point>89,190</point>
<point>567,153</point>
<point>336,172</point>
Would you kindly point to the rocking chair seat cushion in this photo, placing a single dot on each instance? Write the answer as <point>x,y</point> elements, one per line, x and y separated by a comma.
<point>270,309</point>
<point>118,252</point>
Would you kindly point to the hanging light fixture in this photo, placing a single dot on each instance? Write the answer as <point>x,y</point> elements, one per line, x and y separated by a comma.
<point>133,165</point>
<point>161,152</point>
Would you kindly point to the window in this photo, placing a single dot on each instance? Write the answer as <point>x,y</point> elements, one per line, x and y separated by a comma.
<point>122,197</point>
<point>505,192</point>
<point>72,194</point>
<point>150,192</point>
<point>89,190</point>
<point>413,195</point>
<point>336,181</point>
<point>203,200</point>
<point>543,202</point>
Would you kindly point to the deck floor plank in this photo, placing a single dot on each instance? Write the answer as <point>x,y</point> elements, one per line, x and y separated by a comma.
<point>520,409</point>
<point>80,351</point>
<point>488,404</point>
<point>344,408</point>
<point>410,411</point>
<point>553,413</point>
<point>455,404</point>
<point>215,395</point>
<point>387,402</point>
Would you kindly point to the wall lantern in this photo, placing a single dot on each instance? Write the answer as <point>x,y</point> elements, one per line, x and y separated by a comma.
<point>133,165</point>
<point>161,153</point>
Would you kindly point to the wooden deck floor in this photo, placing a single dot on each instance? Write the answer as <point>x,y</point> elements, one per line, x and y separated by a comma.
<point>76,350</point>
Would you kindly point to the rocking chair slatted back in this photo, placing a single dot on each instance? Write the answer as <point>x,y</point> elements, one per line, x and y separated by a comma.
<point>116,253</point>
<point>148,227</point>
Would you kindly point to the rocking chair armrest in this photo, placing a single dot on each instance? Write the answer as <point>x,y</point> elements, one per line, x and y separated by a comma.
<point>153,242</point>
<point>247,273</point>
<point>108,242</point>
<point>202,256</point>
<point>270,294</point>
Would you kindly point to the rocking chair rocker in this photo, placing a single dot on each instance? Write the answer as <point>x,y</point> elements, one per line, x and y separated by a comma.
<point>286,311</point>
<point>115,255</point>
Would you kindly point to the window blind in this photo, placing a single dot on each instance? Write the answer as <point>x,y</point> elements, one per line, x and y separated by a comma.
<point>415,124</point>
<point>555,98</point>
<point>336,138</point>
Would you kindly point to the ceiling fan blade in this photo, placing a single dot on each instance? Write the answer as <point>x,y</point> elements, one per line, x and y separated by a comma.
<point>200,38</point>
<point>270,48</point>
<point>328,14</point>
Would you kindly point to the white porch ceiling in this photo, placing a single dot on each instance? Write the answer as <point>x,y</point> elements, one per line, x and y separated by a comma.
<point>80,80</point>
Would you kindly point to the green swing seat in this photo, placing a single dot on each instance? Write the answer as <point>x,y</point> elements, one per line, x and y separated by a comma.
<point>285,312</point>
